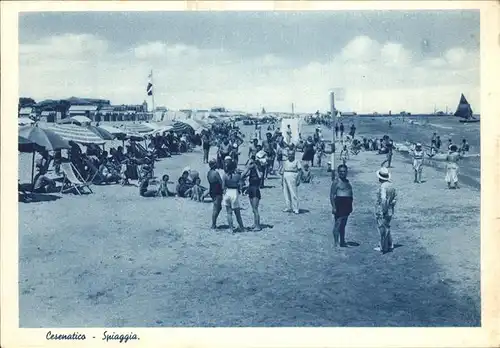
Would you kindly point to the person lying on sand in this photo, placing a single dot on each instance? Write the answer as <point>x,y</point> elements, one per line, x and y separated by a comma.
<point>163,190</point>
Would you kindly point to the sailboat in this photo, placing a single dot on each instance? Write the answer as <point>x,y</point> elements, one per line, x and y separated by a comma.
<point>464,111</point>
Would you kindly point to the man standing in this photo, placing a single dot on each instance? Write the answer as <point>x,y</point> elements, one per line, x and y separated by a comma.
<point>341,198</point>
<point>290,180</point>
<point>418,162</point>
<point>215,190</point>
<point>384,209</point>
<point>341,131</point>
<point>336,130</point>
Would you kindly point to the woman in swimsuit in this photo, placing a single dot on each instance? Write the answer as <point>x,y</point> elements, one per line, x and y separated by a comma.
<point>231,185</point>
<point>254,180</point>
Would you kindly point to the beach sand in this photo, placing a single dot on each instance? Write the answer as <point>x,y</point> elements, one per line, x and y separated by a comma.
<point>115,259</point>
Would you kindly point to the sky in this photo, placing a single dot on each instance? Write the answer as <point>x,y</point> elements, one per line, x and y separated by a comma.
<point>409,61</point>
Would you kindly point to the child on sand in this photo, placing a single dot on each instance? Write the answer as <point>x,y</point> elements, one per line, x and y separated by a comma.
<point>163,190</point>
<point>197,192</point>
<point>306,176</point>
<point>344,154</point>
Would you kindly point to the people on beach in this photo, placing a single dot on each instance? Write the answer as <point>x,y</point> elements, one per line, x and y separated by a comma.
<point>306,176</point>
<point>452,160</point>
<point>184,183</point>
<point>205,141</point>
<point>388,146</point>
<point>465,147</point>
<point>231,185</point>
<point>385,202</point>
<point>163,190</point>
<point>144,190</point>
<point>288,134</point>
<point>320,151</point>
<point>336,130</point>
<point>215,190</point>
<point>254,180</point>
<point>309,151</point>
<point>290,181</point>
<point>418,162</point>
<point>344,154</point>
<point>341,199</point>
<point>352,131</point>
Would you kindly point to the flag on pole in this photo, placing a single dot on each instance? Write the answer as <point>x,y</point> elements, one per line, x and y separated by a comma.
<point>149,88</point>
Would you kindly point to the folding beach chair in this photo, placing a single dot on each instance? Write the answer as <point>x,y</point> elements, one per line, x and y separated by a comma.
<point>73,179</point>
<point>93,172</point>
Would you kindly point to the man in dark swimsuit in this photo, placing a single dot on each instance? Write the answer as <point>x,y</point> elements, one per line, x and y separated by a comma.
<point>205,140</point>
<point>341,200</point>
<point>268,147</point>
<point>215,190</point>
<point>254,181</point>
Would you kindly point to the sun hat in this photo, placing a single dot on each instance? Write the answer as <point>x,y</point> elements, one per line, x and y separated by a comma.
<point>227,158</point>
<point>383,174</point>
<point>212,161</point>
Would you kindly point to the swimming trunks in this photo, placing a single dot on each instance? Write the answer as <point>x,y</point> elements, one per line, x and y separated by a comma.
<point>343,206</point>
<point>215,190</point>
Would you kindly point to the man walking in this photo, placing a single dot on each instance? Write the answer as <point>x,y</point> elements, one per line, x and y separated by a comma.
<point>341,198</point>
<point>384,209</point>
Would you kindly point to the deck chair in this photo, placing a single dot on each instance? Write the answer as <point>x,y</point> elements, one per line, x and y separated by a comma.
<point>94,172</point>
<point>73,178</point>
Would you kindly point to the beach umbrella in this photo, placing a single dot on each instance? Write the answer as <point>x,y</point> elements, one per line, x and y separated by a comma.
<point>76,133</point>
<point>181,127</point>
<point>136,128</point>
<point>120,134</point>
<point>26,145</point>
<point>75,119</point>
<point>102,133</point>
<point>43,138</point>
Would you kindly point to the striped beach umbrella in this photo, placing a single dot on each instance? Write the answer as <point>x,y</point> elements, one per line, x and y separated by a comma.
<point>76,133</point>
<point>182,127</point>
<point>136,128</point>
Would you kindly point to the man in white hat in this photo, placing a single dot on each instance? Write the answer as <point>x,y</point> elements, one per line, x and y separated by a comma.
<point>384,209</point>
<point>418,162</point>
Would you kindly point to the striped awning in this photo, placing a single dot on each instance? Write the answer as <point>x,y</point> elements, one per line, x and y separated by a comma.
<point>76,133</point>
<point>136,128</point>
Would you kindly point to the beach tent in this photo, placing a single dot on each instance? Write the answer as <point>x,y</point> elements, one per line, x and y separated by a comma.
<point>295,125</point>
<point>76,133</point>
<point>197,126</point>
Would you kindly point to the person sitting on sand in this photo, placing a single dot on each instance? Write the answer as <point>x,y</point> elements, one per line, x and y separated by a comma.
<point>143,187</point>
<point>344,154</point>
<point>163,190</point>
<point>196,192</point>
<point>183,184</point>
<point>43,184</point>
<point>418,162</point>
<point>306,175</point>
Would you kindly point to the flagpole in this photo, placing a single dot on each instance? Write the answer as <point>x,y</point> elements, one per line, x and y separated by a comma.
<point>153,96</point>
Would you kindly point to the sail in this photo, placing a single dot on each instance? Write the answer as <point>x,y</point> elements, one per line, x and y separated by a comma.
<point>464,110</point>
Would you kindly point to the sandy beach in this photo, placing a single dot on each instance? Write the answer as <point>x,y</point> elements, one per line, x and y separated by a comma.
<point>115,259</point>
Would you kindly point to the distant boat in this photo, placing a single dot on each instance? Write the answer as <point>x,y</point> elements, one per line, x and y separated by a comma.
<point>464,111</point>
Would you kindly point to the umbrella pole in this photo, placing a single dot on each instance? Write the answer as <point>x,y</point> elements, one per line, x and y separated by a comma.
<point>32,169</point>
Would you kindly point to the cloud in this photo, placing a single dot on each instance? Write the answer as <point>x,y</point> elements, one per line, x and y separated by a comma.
<point>375,75</point>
